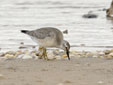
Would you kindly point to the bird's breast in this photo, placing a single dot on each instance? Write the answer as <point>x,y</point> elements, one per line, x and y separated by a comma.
<point>47,42</point>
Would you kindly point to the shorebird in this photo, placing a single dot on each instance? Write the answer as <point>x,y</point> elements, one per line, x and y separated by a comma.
<point>49,37</point>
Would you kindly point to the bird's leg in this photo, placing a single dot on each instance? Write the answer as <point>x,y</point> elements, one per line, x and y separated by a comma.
<point>40,54</point>
<point>45,54</point>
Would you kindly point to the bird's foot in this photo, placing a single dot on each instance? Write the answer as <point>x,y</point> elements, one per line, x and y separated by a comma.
<point>45,54</point>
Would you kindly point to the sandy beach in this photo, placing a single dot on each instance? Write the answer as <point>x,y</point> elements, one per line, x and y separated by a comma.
<point>77,71</point>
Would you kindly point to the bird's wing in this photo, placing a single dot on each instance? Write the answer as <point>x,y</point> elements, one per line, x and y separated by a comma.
<point>43,33</point>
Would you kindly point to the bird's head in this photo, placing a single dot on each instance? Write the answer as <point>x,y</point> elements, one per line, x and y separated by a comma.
<point>66,46</point>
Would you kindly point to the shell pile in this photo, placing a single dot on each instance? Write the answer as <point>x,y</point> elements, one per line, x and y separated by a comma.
<point>55,54</point>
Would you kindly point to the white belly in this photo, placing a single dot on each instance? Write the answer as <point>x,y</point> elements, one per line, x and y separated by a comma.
<point>47,42</point>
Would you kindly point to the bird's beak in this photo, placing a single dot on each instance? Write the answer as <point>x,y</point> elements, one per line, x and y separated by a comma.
<point>67,52</point>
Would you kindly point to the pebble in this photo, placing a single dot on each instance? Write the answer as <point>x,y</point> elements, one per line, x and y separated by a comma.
<point>50,55</point>
<point>55,54</point>
<point>90,16</point>
<point>9,56</point>
<point>65,31</point>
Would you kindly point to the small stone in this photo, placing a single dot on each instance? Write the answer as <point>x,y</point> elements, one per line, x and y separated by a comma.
<point>101,53</point>
<point>27,56</point>
<point>65,31</point>
<point>107,52</point>
<point>50,55</point>
<point>33,46</point>
<point>9,56</point>
<point>22,43</point>
<point>2,54</point>
<point>90,15</point>
<point>111,54</point>
<point>22,47</point>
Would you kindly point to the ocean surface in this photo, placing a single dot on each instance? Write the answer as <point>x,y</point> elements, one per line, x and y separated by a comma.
<point>16,15</point>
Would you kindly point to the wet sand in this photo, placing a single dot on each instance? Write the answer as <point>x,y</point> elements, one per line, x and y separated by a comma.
<point>77,71</point>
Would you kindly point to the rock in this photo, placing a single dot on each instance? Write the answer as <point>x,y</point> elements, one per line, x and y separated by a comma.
<point>22,47</point>
<point>22,43</point>
<point>101,53</point>
<point>90,15</point>
<point>50,55</point>
<point>109,56</point>
<point>2,54</point>
<point>65,31</point>
<point>107,52</point>
<point>27,57</point>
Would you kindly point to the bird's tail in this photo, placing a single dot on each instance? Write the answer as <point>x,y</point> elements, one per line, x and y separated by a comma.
<point>25,31</point>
